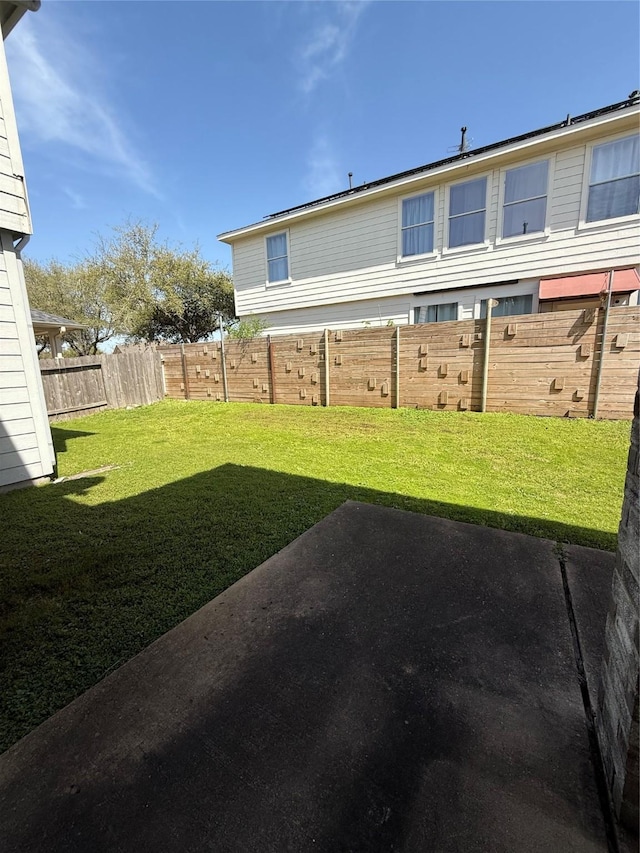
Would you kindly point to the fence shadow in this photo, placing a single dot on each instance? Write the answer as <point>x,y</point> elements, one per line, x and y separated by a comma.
<point>85,587</point>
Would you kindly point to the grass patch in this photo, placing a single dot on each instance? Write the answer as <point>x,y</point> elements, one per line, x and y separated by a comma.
<point>92,570</point>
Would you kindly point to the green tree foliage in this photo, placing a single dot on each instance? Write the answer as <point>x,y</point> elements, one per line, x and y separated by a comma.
<point>77,292</point>
<point>163,292</point>
<point>133,285</point>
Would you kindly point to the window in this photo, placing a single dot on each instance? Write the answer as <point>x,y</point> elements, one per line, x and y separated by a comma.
<point>525,199</point>
<point>437,313</point>
<point>277,258</point>
<point>467,209</point>
<point>508,305</point>
<point>614,187</point>
<point>417,225</point>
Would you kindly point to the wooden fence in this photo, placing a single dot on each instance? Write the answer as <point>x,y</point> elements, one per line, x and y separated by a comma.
<point>542,364</point>
<point>91,383</point>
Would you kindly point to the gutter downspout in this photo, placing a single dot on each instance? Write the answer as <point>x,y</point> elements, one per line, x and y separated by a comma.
<point>596,393</point>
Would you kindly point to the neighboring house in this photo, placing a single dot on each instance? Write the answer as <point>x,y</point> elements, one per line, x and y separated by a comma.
<point>26,449</point>
<point>537,222</point>
<point>54,328</point>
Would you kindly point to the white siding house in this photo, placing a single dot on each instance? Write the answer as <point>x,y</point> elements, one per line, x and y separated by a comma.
<point>435,242</point>
<point>26,449</point>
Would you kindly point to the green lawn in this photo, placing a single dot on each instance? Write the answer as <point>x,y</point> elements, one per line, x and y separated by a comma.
<point>92,570</point>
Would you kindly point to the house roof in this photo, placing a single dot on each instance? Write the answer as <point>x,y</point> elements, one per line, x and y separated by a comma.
<point>43,322</point>
<point>420,171</point>
<point>11,12</point>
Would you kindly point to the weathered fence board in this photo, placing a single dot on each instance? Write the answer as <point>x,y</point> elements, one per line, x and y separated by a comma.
<point>544,364</point>
<point>79,386</point>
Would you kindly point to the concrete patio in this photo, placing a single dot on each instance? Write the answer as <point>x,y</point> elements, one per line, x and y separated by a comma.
<point>387,682</point>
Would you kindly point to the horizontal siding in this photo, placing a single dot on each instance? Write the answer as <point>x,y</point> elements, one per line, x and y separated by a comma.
<point>567,188</point>
<point>8,330</point>
<point>17,426</point>
<point>10,396</point>
<point>492,206</point>
<point>347,316</point>
<point>562,252</point>
<point>12,378</point>
<point>364,236</point>
<point>382,312</point>
<point>14,211</point>
<point>9,444</point>
<point>21,472</point>
<point>9,347</point>
<point>351,253</point>
<point>22,455</point>
<point>6,311</point>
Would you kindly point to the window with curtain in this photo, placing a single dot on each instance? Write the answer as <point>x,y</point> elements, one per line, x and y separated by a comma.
<point>437,313</point>
<point>614,186</point>
<point>417,225</point>
<point>467,210</point>
<point>525,199</point>
<point>277,257</point>
<point>508,305</point>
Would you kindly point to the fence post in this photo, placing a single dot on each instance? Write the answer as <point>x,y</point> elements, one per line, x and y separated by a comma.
<point>272,372</point>
<point>185,375</point>
<point>397,401</point>
<point>224,361</point>
<point>596,393</point>
<point>491,304</point>
<point>326,367</point>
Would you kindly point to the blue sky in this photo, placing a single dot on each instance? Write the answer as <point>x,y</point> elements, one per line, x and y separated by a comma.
<point>206,116</point>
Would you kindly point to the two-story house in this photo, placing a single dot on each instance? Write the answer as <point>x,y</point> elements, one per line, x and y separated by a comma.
<point>26,448</point>
<point>537,221</point>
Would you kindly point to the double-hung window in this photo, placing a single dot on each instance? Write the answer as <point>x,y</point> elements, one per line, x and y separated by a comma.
<point>417,225</point>
<point>277,258</point>
<point>437,313</point>
<point>614,186</point>
<point>467,212</point>
<point>525,199</point>
<point>508,305</point>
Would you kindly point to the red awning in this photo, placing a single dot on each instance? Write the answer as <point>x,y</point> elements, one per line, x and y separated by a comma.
<point>592,284</point>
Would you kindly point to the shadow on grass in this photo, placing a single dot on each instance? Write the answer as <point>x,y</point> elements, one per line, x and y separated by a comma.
<point>84,588</point>
<point>61,435</point>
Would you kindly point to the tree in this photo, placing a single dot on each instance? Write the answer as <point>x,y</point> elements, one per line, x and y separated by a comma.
<point>163,293</point>
<point>133,285</point>
<point>77,292</point>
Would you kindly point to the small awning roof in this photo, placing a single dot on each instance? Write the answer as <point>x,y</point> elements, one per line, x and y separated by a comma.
<point>591,284</point>
<point>43,322</point>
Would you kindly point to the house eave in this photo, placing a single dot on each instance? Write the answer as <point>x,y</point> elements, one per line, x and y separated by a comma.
<point>12,12</point>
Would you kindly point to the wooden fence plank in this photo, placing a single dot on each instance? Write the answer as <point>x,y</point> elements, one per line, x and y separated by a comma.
<point>93,383</point>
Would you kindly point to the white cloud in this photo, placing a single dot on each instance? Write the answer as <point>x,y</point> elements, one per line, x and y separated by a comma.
<point>328,44</point>
<point>323,176</point>
<point>59,100</point>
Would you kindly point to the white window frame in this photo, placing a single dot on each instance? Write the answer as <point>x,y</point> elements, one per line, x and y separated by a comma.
<point>535,235</point>
<point>282,281</point>
<point>409,259</point>
<point>441,299</point>
<point>524,288</point>
<point>470,247</point>
<point>600,224</point>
